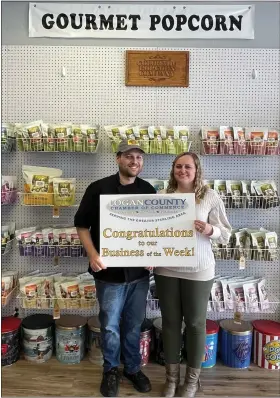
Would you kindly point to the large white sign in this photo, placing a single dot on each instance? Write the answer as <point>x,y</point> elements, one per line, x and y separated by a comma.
<point>148,230</point>
<point>123,21</point>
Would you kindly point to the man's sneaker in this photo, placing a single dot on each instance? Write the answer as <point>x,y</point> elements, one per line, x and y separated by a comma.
<point>140,382</point>
<point>110,383</point>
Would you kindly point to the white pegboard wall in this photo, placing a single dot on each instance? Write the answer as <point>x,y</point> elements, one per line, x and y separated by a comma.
<point>221,91</point>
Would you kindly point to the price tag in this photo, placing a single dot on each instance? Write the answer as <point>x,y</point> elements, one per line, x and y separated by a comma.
<point>237,317</point>
<point>242,262</point>
<point>55,212</point>
<point>56,310</point>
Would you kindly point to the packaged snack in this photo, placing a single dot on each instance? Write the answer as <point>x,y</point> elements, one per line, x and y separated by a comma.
<point>7,137</point>
<point>226,138</point>
<point>249,194</point>
<point>257,138</point>
<point>258,243</point>
<point>24,238</point>
<point>64,191</point>
<point>88,293</point>
<point>209,183</point>
<point>91,137</point>
<point>48,238</point>
<point>31,289</point>
<point>76,249</point>
<point>240,143</point>
<point>234,188</point>
<point>156,141</point>
<point>272,143</point>
<point>209,304</point>
<point>6,285</point>
<point>38,244</point>
<point>217,296</point>
<point>60,240</point>
<point>210,140</point>
<point>251,296</point>
<point>228,302</point>
<point>141,134</point>
<point>221,188</point>
<point>264,300</point>
<point>113,133</point>
<point>49,138</point>
<point>76,143</point>
<point>170,142</point>
<point>268,192</point>
<point>241,245</point>
<point>163,138</point>
<point>271,246</point>
<point>8,189</point>
<point>182,134</point>
<point>237,294</point>
<point>32,136</point>
<point>62,134</point>
<point>72,294</point>
<point>38,185</point>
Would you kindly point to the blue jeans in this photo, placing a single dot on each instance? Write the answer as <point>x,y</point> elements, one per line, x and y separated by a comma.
<point>126,301</point>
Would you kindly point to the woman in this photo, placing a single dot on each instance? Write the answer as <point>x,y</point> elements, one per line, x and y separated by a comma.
<point>184,294</point>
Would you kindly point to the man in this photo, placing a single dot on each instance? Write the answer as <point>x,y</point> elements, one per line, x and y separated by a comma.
<point>121,292</point>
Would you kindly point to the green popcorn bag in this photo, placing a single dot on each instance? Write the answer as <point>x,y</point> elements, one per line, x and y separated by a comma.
<point>32,136</point>
<point>77,141</point>
<point>181,135</point>
<point>170,141</point>
<point>62,134</point>
<point>114,135</point>
<point>90,137</point>
<point>64,191</point>
<point>142,136</point>
<point>49,139</point>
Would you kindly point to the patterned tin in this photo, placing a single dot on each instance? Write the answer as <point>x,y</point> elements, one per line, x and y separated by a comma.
<point>236,343</point>
<point>94,341</point>
<point>211,344</point>
<point>267,344</point>
<point>70,338</point>
<point>10,340</point>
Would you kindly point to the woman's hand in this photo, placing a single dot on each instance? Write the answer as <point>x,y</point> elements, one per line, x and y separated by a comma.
<point>203,227</point>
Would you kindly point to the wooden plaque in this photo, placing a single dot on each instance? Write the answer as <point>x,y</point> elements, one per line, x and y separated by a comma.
<point>157,68</point>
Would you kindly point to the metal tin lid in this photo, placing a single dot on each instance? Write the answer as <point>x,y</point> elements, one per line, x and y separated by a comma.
<point>211,327</point>
<point>94,324</point>
<point>38,321</point>
<point>241,329</point>
<point>10,324</point>
<point>70,322</point>
<point>267,327</point>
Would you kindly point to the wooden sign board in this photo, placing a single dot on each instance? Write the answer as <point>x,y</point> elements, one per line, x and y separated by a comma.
<point>157,68</point>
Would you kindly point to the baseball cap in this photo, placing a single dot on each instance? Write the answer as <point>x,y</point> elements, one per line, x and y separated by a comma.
<point>127,145</point>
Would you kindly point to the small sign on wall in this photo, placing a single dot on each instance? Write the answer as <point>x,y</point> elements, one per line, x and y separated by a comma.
<point>157,68</point>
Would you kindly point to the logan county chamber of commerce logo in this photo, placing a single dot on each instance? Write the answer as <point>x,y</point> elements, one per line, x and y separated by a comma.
<point>147,206</point>
<point>272,352</point>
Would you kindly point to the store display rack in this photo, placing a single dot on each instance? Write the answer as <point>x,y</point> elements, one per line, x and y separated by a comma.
<point>6,300</point>
<point>36,250</point>
<point>254,254</point>
<point>236,148</point>
<point>49,199</point>
<point>156,147</point>
<point>69,303</point>
<point>66,144</point>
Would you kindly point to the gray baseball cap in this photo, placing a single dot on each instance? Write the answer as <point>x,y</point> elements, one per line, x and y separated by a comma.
<point>128,145</point>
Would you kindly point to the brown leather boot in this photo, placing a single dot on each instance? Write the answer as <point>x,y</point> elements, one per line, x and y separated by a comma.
<point>191,384</point>
<point>172,379</point>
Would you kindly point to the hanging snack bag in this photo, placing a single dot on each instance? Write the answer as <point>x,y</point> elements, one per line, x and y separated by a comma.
<point>237,194</point>
<point>249,195</point>
<point>88,293</point>
<point>38,244</point>
<point>32,136</point>
<point>50,144</point>
<point>271,246</point>
<point>272,143</point>
<point>210,141</point>
<point>258,243</point>
<point>76,144</point>
<point>60,240</point>
<point>257,138</point>
<point>217,296</point>
<point>38,185</point>
<point>264,300</point>
<point>7,137</point>
<point>113,133</point>
<point>251,296</point>
<point>171,140</point>
<point>62,134</point>
<point>221,187</point>
<point>8,189</point>
<point>91,137</point>
<point>182,134</point>
<point>71,290</point>
<point>141,133</point>
<point>209,183</point>
<point>156,141</point>
<point>226,138</point>
<point>241,245</point>
<point>268,192</point>
<point>24,238</point>
<point>240,143</point>
<point>64,191</point>
<point>237,295</point>
<point>76,249</point>
<point>48,238</point>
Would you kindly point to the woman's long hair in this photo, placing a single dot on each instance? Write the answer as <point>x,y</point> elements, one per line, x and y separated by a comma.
<point>199,188</point>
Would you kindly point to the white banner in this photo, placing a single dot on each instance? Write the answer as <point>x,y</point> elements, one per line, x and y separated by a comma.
<point>125,21</point>
<point>148,230</point>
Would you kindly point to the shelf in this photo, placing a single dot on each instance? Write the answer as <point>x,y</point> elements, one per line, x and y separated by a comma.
<point>239,148</point>
<point>156,147</point>
<point>48,199</point>
<point>51,303</point>
<point>52,251</point>
<point>235,253</point>
<point>250,202</point>
<point>58,145</point>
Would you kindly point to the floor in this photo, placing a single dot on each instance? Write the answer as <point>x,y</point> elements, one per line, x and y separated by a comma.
<point>55,379</point>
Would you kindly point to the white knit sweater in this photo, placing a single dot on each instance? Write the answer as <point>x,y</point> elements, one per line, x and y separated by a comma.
<point>211,209</point>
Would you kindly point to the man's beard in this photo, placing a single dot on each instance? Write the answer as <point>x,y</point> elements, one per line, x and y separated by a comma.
<point>130,173</point>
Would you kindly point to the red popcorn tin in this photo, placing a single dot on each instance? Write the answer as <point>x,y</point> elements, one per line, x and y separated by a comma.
<point>267,344</point>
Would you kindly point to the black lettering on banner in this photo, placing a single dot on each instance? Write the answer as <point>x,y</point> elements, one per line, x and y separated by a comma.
<point>220,22</point>
<point>209,20</point>
<point>171,22</point>
<point>105,22</point>
<point>134,21</point>
<point>90,22</point>
<point>181,20</point>
<point>155,20</point>
<point>120,21</point>
<point>73,21</point>
<point>190,22</point>
<point>59,19</point>
<point>236,22</point>
<point>47,25</point>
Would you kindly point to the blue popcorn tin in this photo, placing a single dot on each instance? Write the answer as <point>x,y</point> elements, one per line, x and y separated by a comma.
<point>211,344</point>
<point>236,343</point>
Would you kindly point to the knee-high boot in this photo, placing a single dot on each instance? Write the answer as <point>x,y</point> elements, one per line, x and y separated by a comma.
<point>191,384</point>
<point>172,379</point>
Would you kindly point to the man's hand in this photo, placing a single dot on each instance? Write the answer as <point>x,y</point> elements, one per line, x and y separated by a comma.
<point>149,268</point>
<point>96,263</point>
